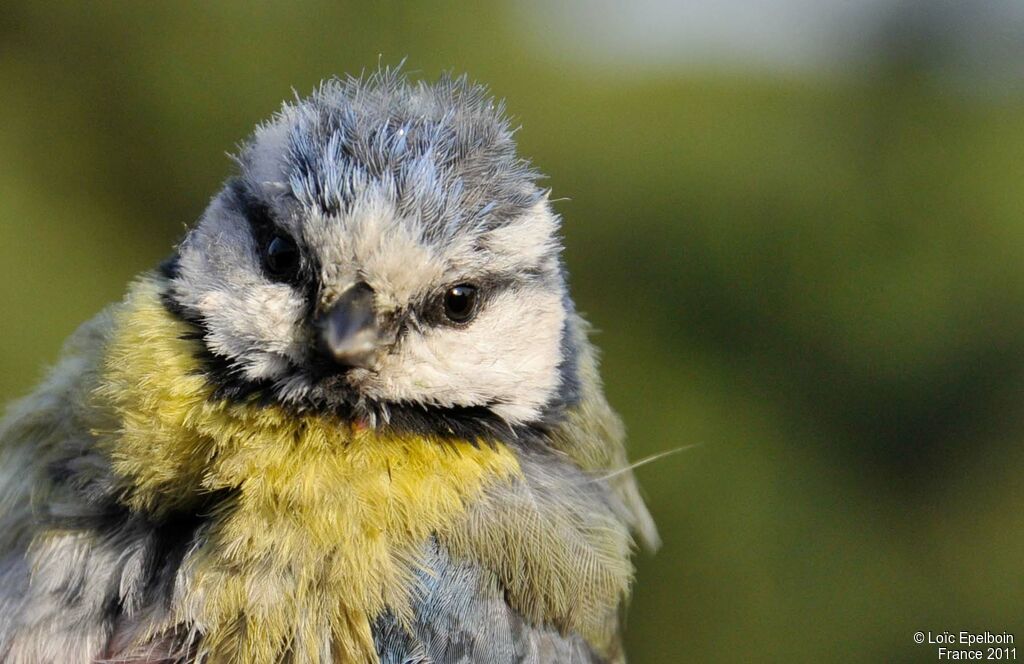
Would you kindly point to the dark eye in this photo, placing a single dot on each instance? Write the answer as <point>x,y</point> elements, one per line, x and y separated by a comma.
<point>282,258</point>
<point>460,303</point>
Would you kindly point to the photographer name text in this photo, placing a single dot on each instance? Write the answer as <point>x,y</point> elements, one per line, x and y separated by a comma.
<point>966,645</point>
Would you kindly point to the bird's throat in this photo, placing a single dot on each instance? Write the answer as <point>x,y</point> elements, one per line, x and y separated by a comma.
<point>326,521</point>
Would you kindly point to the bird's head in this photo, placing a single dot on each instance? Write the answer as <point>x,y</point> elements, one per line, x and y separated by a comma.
<point>384,253</point>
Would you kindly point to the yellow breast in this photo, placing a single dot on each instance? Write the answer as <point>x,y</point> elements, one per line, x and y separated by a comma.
<point>327,523</point>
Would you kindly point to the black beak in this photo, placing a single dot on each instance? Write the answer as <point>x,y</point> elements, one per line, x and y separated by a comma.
<point>348,331</point>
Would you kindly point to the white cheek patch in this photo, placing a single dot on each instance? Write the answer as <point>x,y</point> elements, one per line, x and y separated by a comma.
<point>256,325</point>
<point>507,358</point>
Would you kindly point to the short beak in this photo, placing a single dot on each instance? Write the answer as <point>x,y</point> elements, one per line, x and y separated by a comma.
<point>348,331</point>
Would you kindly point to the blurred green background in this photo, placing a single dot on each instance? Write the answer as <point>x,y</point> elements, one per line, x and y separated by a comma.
<point>808,260</point>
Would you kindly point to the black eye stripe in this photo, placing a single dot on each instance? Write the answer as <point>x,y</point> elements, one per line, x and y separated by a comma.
<point>300,270</point>
<point>432,309</point>
<point>255,211</point>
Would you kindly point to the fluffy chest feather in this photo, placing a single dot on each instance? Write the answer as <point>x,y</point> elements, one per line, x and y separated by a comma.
<point>326,523</point>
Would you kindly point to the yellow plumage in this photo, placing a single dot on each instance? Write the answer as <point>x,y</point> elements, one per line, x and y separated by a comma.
<point>325,527</point>
<point>381,244</point>
<point>326,516</point>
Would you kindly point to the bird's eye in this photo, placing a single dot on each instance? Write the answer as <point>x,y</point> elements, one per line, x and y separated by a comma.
<point>460,303</point>
<point>282,258</point>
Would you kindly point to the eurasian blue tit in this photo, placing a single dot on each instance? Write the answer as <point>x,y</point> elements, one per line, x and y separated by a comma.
<point>354,417</point>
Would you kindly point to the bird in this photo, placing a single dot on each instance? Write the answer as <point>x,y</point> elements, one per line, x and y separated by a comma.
<point>354,417</point>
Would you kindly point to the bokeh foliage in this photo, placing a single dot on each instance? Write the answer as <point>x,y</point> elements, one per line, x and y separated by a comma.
<point>817,280</point>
